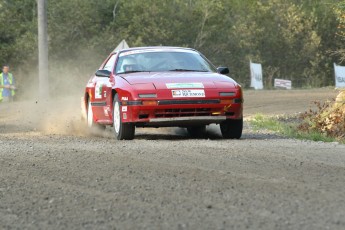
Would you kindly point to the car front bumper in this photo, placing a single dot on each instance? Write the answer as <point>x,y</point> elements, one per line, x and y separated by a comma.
<point>180,115</point>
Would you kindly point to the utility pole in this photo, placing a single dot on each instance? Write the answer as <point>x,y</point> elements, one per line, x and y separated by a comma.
<point>43,49</point>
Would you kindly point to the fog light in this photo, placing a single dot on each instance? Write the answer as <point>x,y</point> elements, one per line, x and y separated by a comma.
<point>227,101</point>
<point>149,103</point>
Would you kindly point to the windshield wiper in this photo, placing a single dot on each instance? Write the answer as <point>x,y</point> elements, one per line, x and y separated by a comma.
<point>187,70</point>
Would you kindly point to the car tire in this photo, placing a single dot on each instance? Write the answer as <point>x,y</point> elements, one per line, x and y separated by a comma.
<point>232,129</point>
<point>197,131</point>
<point>122,131</point>
<point>90,120</point>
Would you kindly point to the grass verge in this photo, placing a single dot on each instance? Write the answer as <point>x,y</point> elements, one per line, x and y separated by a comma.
<point>287,126</point>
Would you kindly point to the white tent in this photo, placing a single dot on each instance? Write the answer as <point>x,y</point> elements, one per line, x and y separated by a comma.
<point>256,76</point>
<point>122,45</point>
<point>339,72</point>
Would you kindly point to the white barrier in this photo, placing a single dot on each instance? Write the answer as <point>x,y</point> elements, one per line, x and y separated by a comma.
<point>339,72</point>
<point>122,45</point>
<point>281,83</point>
<point>256,76</point>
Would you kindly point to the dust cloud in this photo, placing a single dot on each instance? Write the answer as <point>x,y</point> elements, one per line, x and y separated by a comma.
<point>53,116</point>
<point>61,113</point>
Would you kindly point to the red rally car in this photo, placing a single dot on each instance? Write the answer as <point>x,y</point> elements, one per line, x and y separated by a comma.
<point>162,87</point>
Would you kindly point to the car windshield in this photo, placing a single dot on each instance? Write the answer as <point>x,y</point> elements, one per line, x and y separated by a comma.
<point>162,61</point>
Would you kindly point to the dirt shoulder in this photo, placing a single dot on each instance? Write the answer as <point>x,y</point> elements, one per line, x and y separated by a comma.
<point>285,101</point>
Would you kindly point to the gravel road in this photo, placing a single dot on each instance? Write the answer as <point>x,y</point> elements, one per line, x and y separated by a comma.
<point>54,175</point>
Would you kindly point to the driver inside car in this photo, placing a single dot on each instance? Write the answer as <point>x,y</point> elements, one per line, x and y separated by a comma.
<point>129,64</point>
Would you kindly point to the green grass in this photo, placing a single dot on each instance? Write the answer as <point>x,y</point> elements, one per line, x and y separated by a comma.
<point>286,128</point>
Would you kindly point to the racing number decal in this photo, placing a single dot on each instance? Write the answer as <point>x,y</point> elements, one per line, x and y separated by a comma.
<point>98,90</point>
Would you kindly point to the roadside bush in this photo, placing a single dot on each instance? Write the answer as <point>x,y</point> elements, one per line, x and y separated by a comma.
<point>328,119</point>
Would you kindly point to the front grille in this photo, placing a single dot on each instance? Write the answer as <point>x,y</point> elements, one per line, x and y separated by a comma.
<point>143,116</point>
<point>182,112</point>
<point>188,102</point>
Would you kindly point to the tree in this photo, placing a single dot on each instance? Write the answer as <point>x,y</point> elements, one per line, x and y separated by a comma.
<point>299,40</point>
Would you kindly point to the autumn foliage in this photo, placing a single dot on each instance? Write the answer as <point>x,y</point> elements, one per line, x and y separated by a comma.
<point>328,118</point>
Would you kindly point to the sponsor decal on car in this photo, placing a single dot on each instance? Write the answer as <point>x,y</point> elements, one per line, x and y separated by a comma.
<point>138,52</point>
<point>124,108</point>
<point>124,99</point>
<point>125,116</point>
<point>98,90</point>
<point>188,93</point>
<point>184,85</point>
<point>106,111</point>
<point>125,53</point>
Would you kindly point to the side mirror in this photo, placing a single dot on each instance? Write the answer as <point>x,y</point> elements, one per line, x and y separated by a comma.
<point>223,70</point>
<point>103,73</point>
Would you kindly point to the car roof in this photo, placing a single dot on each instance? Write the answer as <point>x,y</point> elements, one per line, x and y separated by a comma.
<point>168,48</point>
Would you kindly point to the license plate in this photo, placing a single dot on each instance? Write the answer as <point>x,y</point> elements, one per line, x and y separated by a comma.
<point>188,93</point>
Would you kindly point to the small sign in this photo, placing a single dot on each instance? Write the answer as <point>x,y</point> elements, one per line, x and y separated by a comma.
<point>281,83</point>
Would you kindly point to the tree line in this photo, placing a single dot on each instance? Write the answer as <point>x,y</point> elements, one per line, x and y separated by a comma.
<point>292,39</point>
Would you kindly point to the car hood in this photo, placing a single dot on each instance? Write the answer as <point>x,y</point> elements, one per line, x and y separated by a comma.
<point>168,80</point>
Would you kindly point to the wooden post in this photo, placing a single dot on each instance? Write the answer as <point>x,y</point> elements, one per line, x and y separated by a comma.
<point>43,49</point>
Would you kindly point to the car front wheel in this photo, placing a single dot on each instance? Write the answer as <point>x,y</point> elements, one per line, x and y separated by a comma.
<point>122,131</point>
<point>232,129</point>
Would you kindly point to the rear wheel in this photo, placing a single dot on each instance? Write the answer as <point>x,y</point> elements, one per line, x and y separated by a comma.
<point>232,129</point>
<point>122,131</point>
<point>197,131</point>
<point>90,120</point>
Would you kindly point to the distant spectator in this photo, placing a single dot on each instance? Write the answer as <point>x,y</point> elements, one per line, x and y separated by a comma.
<point>7,85</point>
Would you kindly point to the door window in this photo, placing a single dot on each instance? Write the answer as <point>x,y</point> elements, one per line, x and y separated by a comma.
<point>109,65</point>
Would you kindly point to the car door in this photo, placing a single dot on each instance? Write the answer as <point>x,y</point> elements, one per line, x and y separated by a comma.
<point>102,93</point>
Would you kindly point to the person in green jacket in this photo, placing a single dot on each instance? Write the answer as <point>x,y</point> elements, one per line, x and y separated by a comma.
<point>7,85</point>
